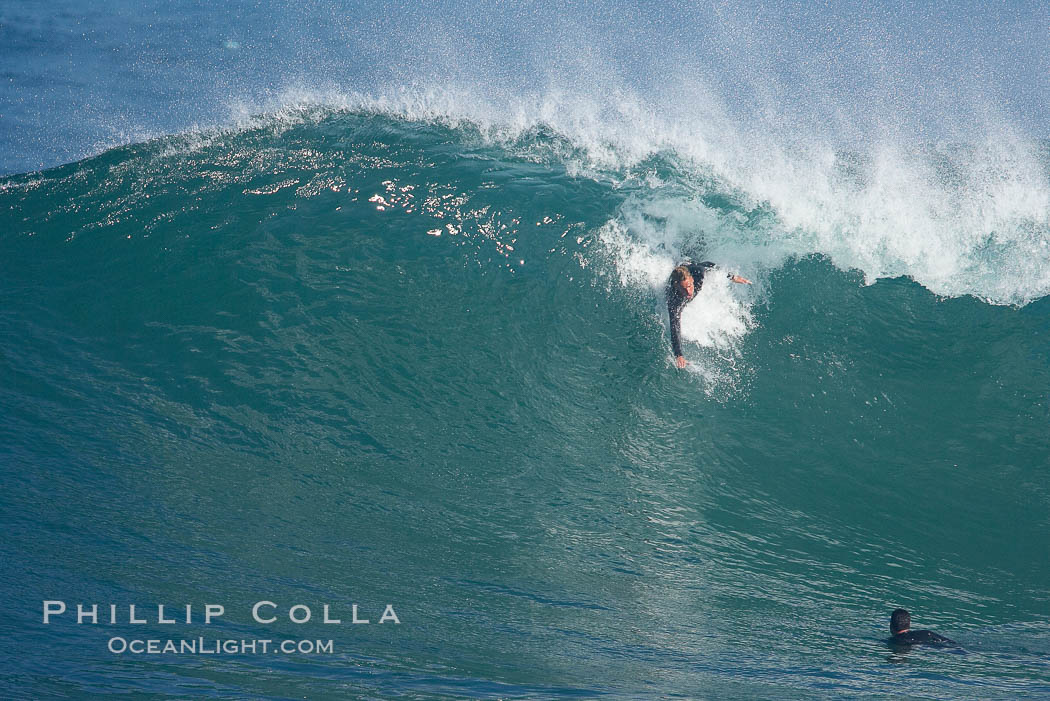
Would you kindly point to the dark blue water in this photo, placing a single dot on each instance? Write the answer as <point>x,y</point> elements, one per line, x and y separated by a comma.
<point>404,345</point>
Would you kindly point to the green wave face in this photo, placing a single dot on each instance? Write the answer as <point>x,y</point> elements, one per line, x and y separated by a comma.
<point>361,356</point>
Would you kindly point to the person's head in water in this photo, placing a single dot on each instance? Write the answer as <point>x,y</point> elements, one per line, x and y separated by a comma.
<point>900,621</point>
<point>682,280</point>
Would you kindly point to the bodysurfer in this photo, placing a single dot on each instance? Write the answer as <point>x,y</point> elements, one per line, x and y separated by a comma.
<point>685,281</point>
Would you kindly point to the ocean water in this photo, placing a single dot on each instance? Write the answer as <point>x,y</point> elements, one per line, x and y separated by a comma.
<point>394,335</point>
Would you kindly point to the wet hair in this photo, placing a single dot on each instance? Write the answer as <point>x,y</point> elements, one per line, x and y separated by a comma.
<point>899,620</point>
<point>679,274</point>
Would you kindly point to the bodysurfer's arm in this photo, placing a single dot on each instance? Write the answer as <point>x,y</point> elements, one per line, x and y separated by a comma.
<point>674,310</point>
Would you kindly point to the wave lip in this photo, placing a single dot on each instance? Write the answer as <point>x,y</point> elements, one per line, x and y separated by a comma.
<point>970,218</point>
<point>958,218</point>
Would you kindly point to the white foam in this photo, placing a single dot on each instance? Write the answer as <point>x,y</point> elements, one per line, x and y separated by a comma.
<point>716,318</point>
<point>968,218</point>
<point>960,219</point>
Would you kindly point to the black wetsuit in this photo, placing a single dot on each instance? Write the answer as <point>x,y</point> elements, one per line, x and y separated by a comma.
<point>919,637</point>
<point>676,300</point>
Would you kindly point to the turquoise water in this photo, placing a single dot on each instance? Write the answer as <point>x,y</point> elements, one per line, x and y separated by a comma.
<point>357,354</point>
<point>361,305</point>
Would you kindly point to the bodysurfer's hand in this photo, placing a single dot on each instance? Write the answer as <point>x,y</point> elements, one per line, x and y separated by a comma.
<point>740,280</point>
<point>680,362</point>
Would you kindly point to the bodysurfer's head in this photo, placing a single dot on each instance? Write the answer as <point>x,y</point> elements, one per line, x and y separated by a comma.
<point>682,280</point>
<point>900,621</point>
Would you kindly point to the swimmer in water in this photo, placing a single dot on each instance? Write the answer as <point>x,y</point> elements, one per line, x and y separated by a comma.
<point>685,281</point>
<point>904,636</point>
